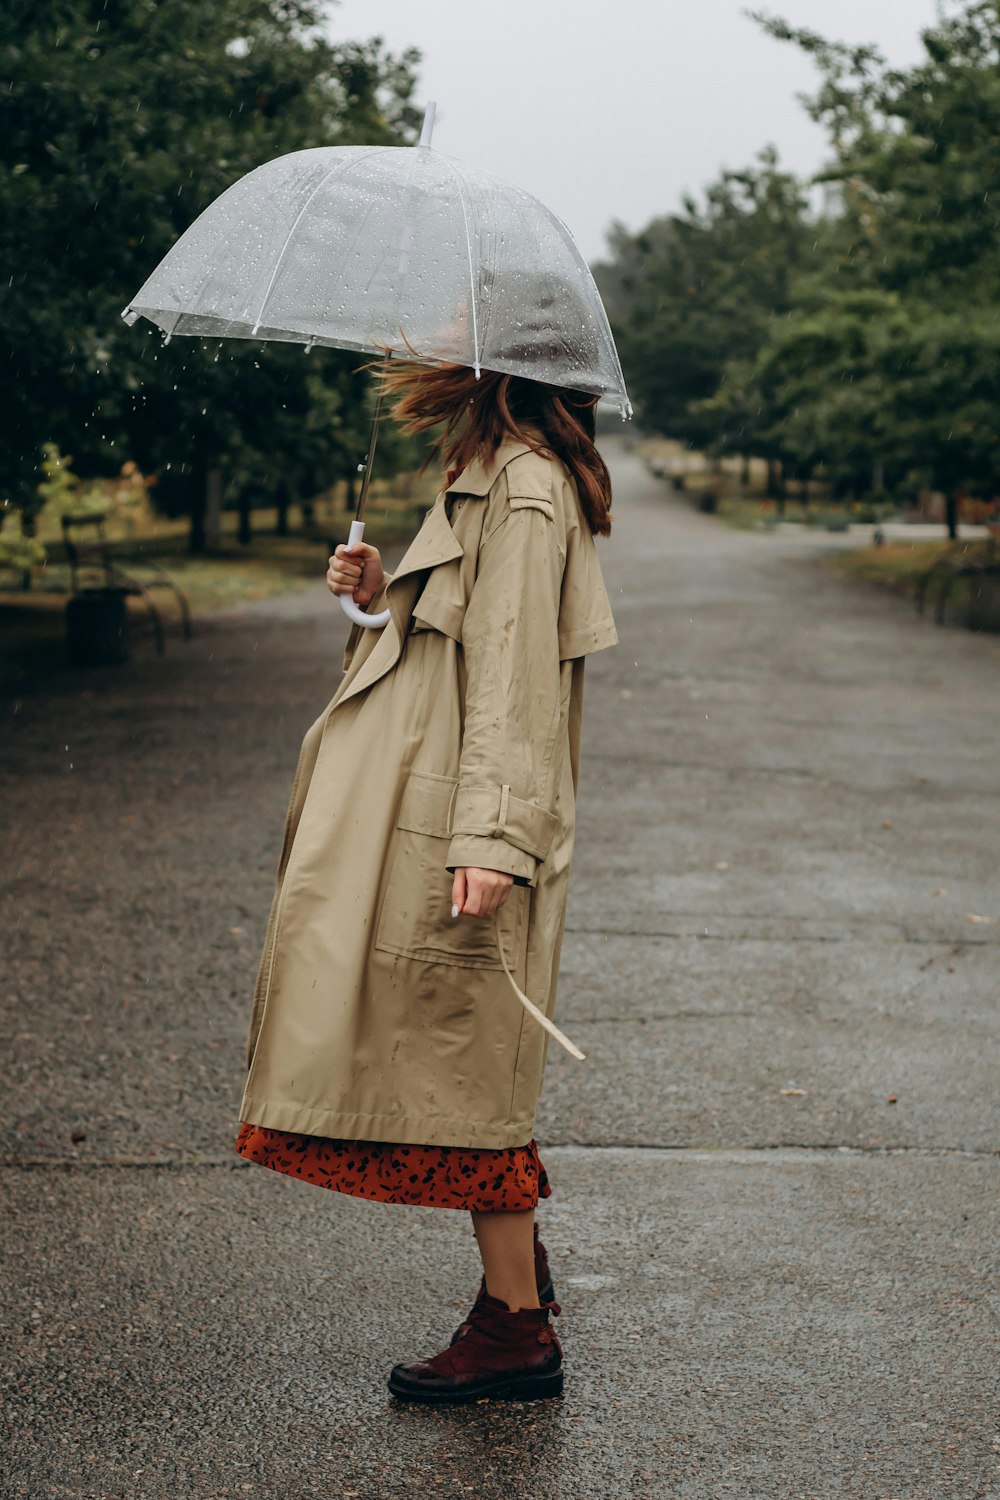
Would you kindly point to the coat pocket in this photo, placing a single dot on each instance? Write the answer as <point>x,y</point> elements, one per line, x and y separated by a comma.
<point>415,918</point>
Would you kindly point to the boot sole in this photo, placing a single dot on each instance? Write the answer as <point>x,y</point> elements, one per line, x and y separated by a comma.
<point>521,1388</point>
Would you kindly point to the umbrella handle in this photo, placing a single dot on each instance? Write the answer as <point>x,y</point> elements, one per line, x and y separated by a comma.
<point>347,604</point>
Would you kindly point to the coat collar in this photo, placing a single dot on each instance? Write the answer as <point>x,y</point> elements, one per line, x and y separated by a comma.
<point>434,543</point>
<point>479,477</point>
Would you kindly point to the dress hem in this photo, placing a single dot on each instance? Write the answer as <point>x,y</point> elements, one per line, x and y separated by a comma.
<point>484,1181</point>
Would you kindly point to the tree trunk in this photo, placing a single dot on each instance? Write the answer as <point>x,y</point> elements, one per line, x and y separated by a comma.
<point>308,512</point>
<point>745,470</point>
<point>775,488</point>
<point>804,475</point>
<point>196,534</point>
<point>246,524</point>
<point>951,515</point>
<point>215,491</point>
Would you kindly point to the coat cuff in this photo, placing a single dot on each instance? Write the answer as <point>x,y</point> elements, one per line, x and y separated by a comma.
<point>492,854</point>
<point>502,831</point>
<point>493,812</point>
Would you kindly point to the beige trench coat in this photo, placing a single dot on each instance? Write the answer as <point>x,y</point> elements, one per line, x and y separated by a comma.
<point>453,739</point>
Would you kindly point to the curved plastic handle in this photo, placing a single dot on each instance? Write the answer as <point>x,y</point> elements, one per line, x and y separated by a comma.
<point>347,604</point>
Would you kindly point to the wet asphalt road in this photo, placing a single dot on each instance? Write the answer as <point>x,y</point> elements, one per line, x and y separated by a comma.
<point>774,1223</point>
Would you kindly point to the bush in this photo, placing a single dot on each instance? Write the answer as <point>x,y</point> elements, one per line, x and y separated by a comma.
<point>18,553</point>
<point>829,520</point>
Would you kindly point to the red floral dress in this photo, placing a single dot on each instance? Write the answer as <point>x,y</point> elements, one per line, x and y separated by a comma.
<point>430,1176</point>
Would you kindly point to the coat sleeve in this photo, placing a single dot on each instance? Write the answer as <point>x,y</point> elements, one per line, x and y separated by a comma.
<point>503,814</point>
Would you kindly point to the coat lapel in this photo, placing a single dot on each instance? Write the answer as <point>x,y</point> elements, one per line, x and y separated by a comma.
<point>434,544</point>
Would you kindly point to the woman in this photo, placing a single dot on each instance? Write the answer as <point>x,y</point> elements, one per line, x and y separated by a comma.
<point>427,849</point>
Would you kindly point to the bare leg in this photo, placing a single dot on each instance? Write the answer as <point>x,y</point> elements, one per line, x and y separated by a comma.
<point>506,1244</point>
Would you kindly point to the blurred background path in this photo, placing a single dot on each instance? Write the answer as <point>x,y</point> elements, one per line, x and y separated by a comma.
<point>774,1219</point>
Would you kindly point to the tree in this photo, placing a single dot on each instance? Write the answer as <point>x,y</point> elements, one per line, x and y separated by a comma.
<point>695,291</point>
<point>917,158</point>
<point>864,340</point>
<point>122,120</point>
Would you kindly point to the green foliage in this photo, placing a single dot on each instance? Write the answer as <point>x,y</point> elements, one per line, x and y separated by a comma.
<point>875,355</point>
<point>917,155</point>
<point>58,489</point>
<point>19,553</point>
<point>121,121</point>
<point>696,290</point>
<point>123,501</point>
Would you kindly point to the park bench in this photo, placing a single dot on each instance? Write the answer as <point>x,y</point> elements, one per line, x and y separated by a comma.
<point>96,617</point>
<point>981,572</point>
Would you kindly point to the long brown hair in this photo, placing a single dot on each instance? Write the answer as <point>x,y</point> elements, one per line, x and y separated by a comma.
<point>477,415</point>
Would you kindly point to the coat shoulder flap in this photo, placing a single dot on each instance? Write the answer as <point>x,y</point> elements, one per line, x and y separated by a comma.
<point>530,478</point>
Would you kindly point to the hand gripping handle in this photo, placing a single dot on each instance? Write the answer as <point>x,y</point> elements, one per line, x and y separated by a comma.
<point>347,604</point>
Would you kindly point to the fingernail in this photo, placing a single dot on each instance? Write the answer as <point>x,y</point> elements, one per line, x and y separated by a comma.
<point>454,911</point>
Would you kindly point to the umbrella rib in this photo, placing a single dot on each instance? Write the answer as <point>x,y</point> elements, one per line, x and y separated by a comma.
<point>404,249</point>
<point>338,168</point>
<point>472,277</point>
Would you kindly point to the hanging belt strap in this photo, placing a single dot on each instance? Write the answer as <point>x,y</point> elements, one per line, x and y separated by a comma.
<point>529,1005</point>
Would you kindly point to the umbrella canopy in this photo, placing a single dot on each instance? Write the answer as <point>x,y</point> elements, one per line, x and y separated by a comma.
<point>390,248</point>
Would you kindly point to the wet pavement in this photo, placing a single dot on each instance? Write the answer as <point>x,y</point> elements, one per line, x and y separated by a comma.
<point>774,1223</point>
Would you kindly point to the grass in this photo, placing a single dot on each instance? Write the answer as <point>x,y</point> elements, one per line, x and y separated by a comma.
<point>739,505</point>
<point>747,513</point>
<point>901,565</point>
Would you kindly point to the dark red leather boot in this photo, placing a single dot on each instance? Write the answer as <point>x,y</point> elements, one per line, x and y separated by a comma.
<point>543,1281</point>
<point>511,1355</point>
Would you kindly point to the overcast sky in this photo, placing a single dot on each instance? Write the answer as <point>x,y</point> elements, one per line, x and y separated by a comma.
<point>611,109</point>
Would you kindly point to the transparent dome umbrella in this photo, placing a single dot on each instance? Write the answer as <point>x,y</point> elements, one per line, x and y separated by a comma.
<point>392,250</point>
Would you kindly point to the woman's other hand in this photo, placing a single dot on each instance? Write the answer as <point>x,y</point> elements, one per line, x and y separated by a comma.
<point>357,571</point>
<point>479,893</point>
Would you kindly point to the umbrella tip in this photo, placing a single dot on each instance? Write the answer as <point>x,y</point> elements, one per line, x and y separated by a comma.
<point>428,126</point>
